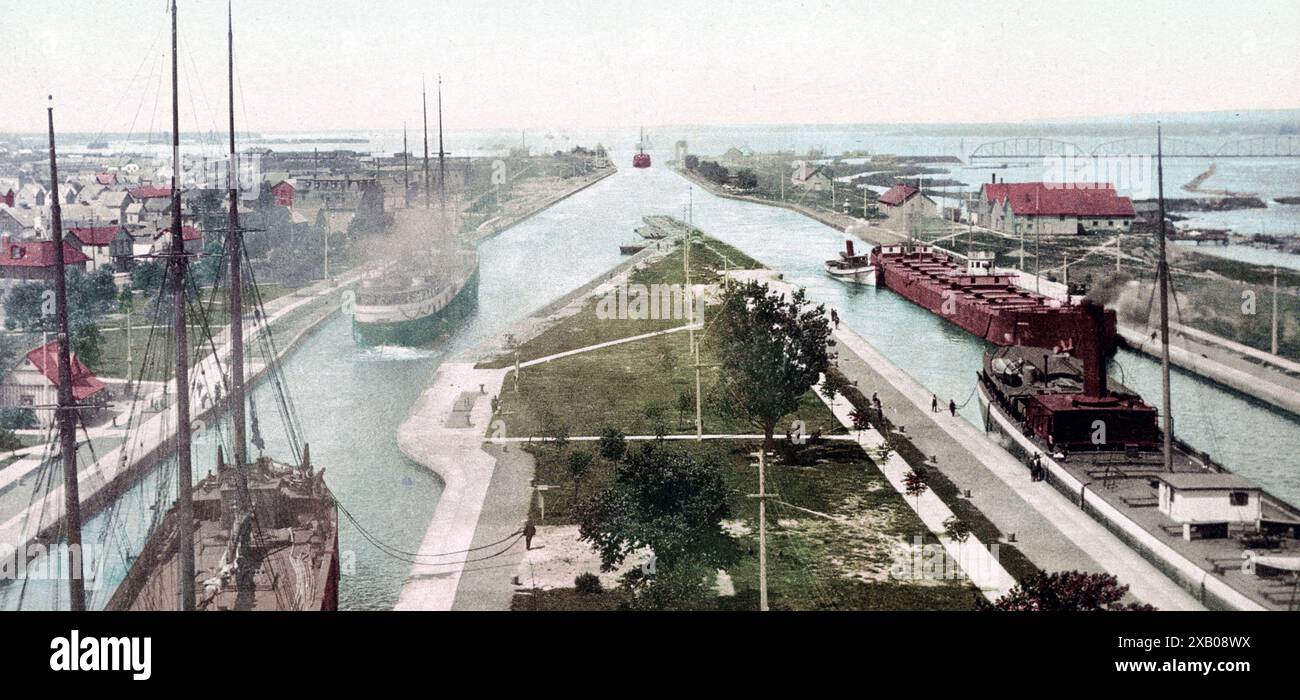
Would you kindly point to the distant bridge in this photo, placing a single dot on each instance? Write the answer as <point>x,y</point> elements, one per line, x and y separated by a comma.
<point>1282,146</point>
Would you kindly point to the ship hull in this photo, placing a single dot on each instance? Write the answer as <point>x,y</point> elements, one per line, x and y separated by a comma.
<point>1033,325</point>
<point>421,328</point>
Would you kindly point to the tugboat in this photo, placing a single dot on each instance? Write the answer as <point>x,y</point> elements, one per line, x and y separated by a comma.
<point>641,159</point>
<point>852,267</point>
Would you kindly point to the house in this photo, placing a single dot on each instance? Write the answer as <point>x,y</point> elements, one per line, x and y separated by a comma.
<point>116,201</point>
<point>90,193</point>
<point>34,384</point>
<point>283,191</point>
<point>94,242</point>
<point>1205,503</point>
<point>32,195</point>
<point>1053,208</point>
<point>106,179</point>
<point>33,261</point>
<point>905,201</point>
<point>18,222</point>
<point>7,197</point>
<point>811,177</point>
<point>145,192</point>
<point>192,237</point>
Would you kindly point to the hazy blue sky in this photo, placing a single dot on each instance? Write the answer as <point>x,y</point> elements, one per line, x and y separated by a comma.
<point>324,64</point>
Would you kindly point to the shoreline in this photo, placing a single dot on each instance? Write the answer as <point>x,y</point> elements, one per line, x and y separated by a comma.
<point>480,234</point>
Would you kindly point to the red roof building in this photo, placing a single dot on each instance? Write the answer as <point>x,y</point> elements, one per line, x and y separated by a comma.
<point>84,382</point>
<point>95,236</point>
<point>188,233</point>
<point>898,195</point>
<point>150,192</point>
<point>33,261</point>
<point>106,179</point>
<point>1054,207</point>
<point>7,198</point>
<point>283,191</point>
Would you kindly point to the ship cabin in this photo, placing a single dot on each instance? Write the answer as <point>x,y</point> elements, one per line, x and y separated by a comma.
<point>1082,423</point>
<point>1205,503</point>
<point>980,262</point>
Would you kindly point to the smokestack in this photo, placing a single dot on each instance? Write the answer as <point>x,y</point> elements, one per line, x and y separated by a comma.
<point>848,248</point>
<point>1098,324</point>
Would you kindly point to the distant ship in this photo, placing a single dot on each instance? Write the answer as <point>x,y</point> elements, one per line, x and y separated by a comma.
<point>852,267</point>
<point>641,159</point>
<point>981,300</point>
<point>414,302</point>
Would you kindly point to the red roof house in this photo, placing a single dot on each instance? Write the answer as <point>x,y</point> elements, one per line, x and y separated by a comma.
<point>150,192</point>
<point>898,195</point>
<point>283,191</point>
<point>84,382</point>
<point>29,261</point>
<point>106,179</point>
<point>1081,200</point>
<point>95,236</point>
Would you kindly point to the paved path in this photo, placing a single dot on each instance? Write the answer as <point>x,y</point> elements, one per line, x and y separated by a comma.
<point>1050,530</point>
<point>974,557</point>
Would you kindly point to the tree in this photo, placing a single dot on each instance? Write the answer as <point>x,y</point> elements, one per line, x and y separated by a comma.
<point>692,162</point>
<point>579,466</point>
<point>90,294</point>
<point>685,403</point>
<point>669,502</point>
<point>770,350</point>
<point>654,415</point>
<point>746,179</point>
<point>832,386</point>
<point>148,277</point>
<point>914,484</point>
<point>1067,591</point>
<point>860,420</point>
<point>27,306</point>
<point>87,343</point>
<point>612,445</point>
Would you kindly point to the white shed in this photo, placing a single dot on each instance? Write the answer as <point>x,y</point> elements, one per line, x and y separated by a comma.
<point>1209,498</point>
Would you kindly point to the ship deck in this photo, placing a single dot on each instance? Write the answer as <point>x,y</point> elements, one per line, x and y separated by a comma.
<point>1129,483</point>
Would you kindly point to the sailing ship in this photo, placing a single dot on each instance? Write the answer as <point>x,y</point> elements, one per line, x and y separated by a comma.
<point>415,301</point>
<point>256,534</point>
<point>1094,439</point>
<point>641,159</point>
<point>852,267</point>
<point>983,300</point>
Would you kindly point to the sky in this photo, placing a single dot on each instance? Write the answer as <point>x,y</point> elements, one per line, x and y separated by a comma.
<point>344,64</point>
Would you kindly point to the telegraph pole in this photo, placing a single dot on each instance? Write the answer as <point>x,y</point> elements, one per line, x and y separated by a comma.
<point>1274,346</point>
<point>1162,272</point>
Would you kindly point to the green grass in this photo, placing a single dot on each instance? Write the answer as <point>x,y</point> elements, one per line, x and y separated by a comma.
<point>814,562</point>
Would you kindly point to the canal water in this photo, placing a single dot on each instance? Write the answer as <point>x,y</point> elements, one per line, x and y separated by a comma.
<point>350,401</point>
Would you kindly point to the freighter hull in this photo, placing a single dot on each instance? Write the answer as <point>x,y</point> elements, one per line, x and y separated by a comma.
<point>417,324</point>
<point>989,306</point>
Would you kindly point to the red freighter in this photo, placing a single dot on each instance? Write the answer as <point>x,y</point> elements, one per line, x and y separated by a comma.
<point>982,300</point>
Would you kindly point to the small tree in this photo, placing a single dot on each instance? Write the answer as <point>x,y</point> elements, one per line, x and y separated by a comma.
<point>579,467</point>
<point>148,276</point>
<point>860,419</point>
<point>88,343</point>
<point>25,307</point>
<point>956,529</point>
<point>914,484</point>
<point>654,414</point>
<point>771,351</point>
<point>1067,591</point>
<point>612,445</point>
<point>685,404</point>
<point>833,385</point>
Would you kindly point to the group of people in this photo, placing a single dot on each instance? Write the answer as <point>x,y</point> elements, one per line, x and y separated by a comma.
<point>934,405</point>
<point>1036,470</point>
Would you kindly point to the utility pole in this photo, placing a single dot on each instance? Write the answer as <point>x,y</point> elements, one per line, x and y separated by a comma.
<point>424,97</point>
<point>699,416</point>
<point>1274,345</point>
<point>762,530</point>
<point>1118,251</point>
<point>1162,273</point>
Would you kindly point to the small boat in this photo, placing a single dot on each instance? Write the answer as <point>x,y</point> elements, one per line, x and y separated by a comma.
<point>852,267</point>
<point>632,248</point>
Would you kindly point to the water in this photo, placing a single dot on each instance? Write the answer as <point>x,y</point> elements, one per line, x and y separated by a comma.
<point>352,400</point>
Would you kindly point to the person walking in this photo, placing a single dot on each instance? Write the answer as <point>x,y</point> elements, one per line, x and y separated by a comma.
<point>529,530</point>
<point>835,318</point>
<point>952,407</point>
<point>934,403</point>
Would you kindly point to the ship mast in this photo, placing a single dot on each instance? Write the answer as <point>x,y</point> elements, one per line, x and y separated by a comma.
<point>1162,274</point>
<point>406,166</point>
<point>424,97</point>
<point>177,263</point>
<point>66,407</point>
<point>235,250</point>
<point>442,163</point>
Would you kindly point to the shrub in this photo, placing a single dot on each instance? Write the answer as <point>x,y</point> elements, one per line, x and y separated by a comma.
<point>588,584</point>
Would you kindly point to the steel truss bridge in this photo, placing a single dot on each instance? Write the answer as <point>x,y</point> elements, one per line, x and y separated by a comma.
<point>1280,146</point>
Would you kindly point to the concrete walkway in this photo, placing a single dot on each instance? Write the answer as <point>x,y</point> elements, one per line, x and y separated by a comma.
<point>976,559</point>
<point>1050,530</point>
